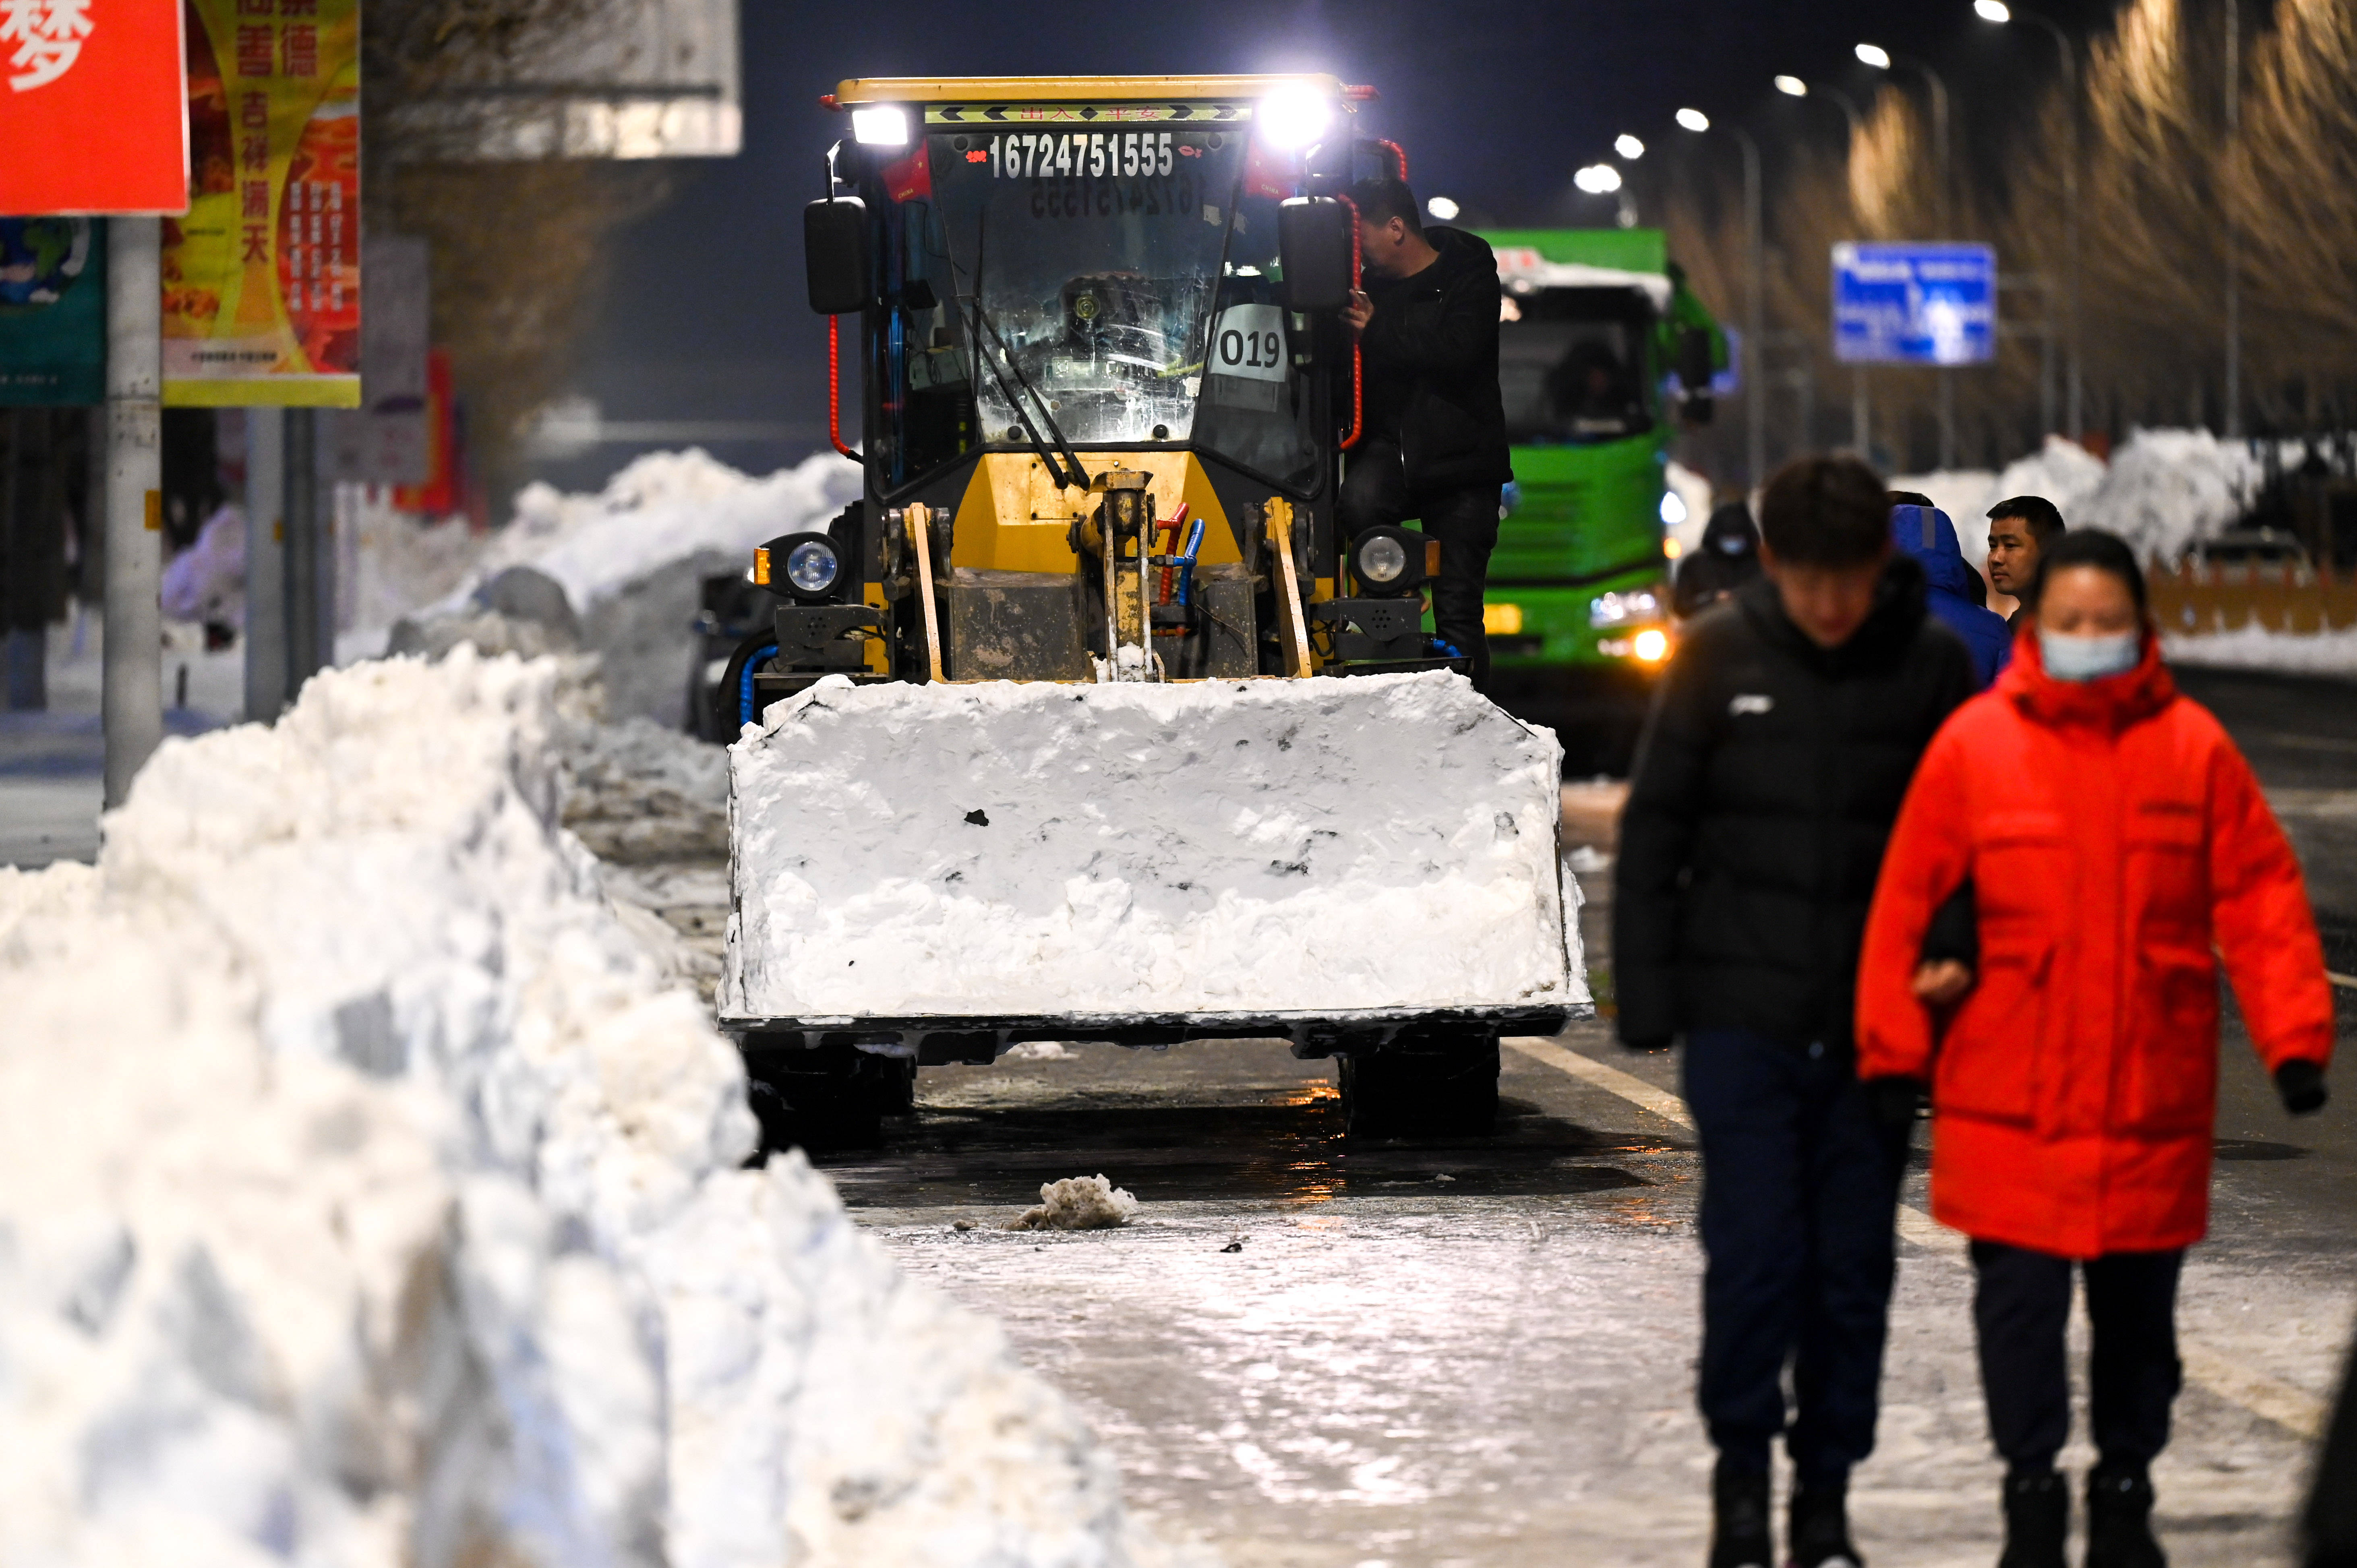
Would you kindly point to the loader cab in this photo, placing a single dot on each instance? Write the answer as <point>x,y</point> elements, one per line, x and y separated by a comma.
<point>1085,344</point>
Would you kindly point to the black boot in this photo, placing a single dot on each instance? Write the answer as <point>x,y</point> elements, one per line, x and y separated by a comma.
<point>1739,1535</point>
<point>2036,1517</point>
<point>1820,1527</point>
<point>2119,1518</point>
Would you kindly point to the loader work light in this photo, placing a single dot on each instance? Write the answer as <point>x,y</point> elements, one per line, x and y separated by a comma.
<point>1392,563</point>
<point>886,125</point>
<point>1291,118</point>
<point>1382,562</point>
<point>807,565</point>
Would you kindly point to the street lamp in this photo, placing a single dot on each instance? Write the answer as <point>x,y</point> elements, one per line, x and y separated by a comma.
<point>1861,417</point>
<point>1755,398</point>
<point>1442,207</point>
<point>1882,59</point>
<point>1997,11</point>
<point>1629,146</point>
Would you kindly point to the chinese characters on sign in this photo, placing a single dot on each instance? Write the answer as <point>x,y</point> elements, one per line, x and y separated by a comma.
<point>47,37</point>
<point>1914,304</point>
<point>261,280</point>
<point>93,115</point>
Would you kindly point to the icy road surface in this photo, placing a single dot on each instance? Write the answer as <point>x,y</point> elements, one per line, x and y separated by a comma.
<point>1482,1353</point>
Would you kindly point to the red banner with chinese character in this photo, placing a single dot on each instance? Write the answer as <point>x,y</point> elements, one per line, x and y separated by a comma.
<point>262,279</point>
<point>91,114</point>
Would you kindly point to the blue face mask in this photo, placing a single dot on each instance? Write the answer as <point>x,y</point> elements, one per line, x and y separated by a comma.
<point>2069,658</point>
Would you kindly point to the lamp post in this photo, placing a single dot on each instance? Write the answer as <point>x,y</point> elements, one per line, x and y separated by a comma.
<point>1861,413</point>
<point>1755,392</point>
<point>1882,59</point>
<point>2074,397</point>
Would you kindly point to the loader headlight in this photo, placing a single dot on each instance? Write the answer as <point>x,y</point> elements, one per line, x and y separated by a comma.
<point>1392,563</point>
<point>807,565</point>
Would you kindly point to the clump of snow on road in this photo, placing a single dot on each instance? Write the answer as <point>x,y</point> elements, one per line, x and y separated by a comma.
<point>1078,1203</point>
<point>1385,845</point>
<point>368,1197</point>
<point>2253,647</point>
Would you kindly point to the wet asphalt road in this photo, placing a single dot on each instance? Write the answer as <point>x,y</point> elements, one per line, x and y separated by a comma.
<point>1479,1352</point>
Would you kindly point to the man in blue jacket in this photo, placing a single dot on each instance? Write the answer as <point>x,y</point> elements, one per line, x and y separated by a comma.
<point>1926,533</point>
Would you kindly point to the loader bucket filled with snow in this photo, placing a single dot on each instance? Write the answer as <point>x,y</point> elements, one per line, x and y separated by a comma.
<point>942,870</point>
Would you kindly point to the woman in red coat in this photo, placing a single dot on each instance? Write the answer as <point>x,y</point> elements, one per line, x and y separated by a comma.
<point>2114,840</point>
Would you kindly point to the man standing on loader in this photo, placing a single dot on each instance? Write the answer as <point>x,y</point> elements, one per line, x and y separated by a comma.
<point>1434,444</point>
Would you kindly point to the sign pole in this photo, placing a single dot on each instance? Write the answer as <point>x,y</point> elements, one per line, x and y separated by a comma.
<point>300,601</point>
<point>265,573</point>
<point>131,702</point>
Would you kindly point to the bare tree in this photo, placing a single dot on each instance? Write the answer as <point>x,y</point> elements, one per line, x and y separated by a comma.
<point>519,245</point>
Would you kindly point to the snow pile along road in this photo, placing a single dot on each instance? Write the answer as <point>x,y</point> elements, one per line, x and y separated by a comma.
<point>1382,845</point>
<point>630,560</point>
<point>368,1197</point>
<point>2163,489</point>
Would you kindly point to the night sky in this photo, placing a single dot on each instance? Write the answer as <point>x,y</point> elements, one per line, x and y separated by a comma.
<point>1496,102</point>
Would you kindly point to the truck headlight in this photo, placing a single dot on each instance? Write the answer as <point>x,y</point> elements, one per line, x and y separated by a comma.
<point>1621,608</point>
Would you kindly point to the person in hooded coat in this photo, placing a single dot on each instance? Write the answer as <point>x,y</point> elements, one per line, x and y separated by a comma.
<point>1925,534</point>
<point>1728,558</point>
<point>2117,846</point>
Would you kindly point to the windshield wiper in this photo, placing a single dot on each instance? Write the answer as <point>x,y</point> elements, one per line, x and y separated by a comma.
<point>980,323</point>
<point>1077,474</point>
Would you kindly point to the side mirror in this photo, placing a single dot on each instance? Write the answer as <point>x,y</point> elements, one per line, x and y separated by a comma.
<point>1695,367</point>
<point>1313,243</point>
<point>835,253</point>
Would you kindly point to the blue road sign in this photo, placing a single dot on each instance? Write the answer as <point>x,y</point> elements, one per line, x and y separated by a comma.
<point>1903,303</point>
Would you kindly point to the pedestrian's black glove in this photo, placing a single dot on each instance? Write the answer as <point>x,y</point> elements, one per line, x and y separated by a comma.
<point>1892,1101</point>
<point>1648,1043</point>
<point>2301,1084</point>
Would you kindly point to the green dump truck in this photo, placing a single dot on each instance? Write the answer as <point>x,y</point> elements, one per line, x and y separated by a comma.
<point>1603,352</point>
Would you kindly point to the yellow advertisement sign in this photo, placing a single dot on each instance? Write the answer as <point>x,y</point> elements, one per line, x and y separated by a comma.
<point>261,278</point>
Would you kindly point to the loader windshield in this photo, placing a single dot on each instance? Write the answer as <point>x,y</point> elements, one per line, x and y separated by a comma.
<point>1096,255</point>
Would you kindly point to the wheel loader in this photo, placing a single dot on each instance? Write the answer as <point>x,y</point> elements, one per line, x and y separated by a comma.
<point>1086,722</point>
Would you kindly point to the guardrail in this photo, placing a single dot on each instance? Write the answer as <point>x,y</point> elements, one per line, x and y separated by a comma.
<point>2189,600</point>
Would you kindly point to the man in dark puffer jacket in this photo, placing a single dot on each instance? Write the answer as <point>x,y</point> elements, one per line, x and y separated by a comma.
<point>1780,744</point>
<point>1435,445</point>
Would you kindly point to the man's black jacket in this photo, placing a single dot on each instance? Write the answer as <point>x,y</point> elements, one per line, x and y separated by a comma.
<point>1765,788</point>
<point>1431,354</point>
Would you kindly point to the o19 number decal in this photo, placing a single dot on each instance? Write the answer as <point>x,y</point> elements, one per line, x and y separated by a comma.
<point>1249,341</point>
<point>1085,155</point>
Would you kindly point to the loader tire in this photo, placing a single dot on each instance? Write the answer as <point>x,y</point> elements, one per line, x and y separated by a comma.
<point>1421,1094</point>
<point>828,1098</point>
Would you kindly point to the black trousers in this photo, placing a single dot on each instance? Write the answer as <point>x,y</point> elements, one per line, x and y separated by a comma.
<point>1376,494</point>
<point>1800,1197</point>
<point>2021,1306</point>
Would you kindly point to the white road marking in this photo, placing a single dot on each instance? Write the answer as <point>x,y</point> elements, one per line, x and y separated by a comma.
<point>2271,1399</point>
